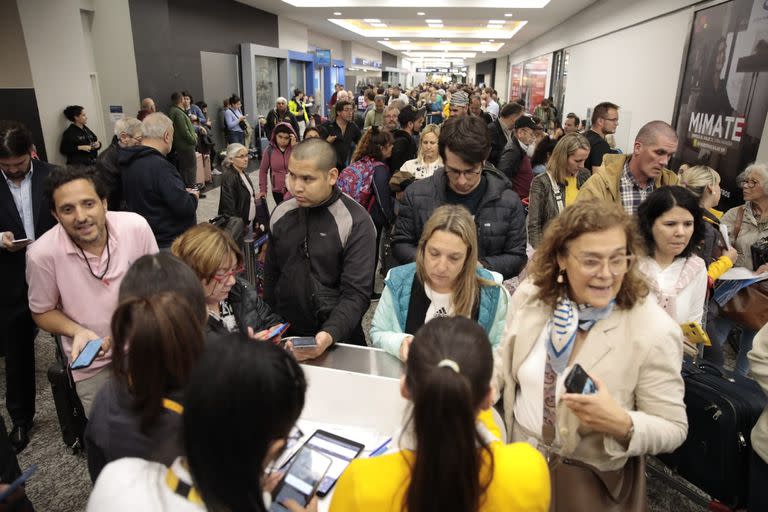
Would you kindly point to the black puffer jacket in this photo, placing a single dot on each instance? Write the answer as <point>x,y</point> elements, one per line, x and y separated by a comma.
<point>500,221</point>
<point>250,311</point>
<point>404,148</point>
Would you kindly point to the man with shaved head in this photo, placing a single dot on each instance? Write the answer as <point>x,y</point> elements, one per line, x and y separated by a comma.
<point>319,269</point>
<point>147,107</point>
<point>629,179</point>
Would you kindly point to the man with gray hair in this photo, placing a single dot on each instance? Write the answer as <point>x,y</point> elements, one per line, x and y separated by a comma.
<point>147,107</point>
<point>280,114</point>
<point>629,179</point>
<point>127,134</point>
<point>152,186</point>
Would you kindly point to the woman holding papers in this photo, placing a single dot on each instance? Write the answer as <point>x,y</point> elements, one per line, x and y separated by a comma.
<point>450,459</point>
<point>445,280</point>
<point>746,225</point>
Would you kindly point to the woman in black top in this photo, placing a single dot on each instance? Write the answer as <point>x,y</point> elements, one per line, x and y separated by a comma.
<point>78,143</point>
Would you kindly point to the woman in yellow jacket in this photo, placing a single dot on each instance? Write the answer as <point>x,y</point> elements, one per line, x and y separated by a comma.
<point>460,465</point>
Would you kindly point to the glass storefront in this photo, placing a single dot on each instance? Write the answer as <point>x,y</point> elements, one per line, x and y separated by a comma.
<point>267,89</point>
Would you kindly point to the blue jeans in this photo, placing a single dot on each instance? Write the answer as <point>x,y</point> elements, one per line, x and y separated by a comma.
<point>718,330</point>
<point>235,137</point>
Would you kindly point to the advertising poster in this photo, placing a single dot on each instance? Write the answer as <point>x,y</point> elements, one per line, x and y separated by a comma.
<point>535,80</point>
<point>723,98</point>
<point>515,77</point>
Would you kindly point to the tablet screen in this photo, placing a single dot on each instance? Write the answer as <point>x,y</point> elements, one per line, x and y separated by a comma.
<point>340,450</point>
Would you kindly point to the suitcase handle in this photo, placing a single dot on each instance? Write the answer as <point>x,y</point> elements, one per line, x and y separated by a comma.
<point>705,367</point>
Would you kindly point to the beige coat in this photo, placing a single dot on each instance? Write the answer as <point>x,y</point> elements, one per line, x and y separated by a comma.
<point>758,361</point>
<point>606,179</point>
<point>637,353</point>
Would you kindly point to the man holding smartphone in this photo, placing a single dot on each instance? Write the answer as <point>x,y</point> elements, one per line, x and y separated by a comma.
<point>319,267</point>
<point>74,271</point>
<point>24,216</point>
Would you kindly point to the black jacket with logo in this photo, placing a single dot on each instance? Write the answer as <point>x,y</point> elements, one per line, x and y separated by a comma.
<point>341,242</point>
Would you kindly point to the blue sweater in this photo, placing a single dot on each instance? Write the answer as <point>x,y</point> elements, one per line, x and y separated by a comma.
<point>389,320</point>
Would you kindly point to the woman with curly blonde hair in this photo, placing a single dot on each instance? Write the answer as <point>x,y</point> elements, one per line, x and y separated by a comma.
<point>586,303</point>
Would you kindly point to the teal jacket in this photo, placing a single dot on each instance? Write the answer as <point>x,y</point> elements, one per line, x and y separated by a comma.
<point>388,326</point>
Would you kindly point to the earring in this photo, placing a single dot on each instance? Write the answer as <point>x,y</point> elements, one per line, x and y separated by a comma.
<point>560,277</point>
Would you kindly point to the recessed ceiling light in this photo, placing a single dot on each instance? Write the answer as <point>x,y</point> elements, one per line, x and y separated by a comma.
<point>420,13</point>
<point>434,21</point>
<point>491,40</point>
<point>386,39</point>
<point>337,13</point>
<point>508,15</point>
<point>372,20</point>
<point>483,51</point>
<point>379,25</point>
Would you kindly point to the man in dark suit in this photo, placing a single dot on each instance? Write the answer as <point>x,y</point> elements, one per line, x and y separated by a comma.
<point>24,217</point>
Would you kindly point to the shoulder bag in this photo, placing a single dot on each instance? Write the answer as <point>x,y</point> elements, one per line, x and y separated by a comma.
<point>749,307</point>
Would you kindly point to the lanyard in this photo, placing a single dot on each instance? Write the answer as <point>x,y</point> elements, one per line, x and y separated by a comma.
<point>182,488</point>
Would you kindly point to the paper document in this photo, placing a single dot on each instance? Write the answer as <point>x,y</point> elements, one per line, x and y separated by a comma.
<point>724,232</point>
<point>742,273</point>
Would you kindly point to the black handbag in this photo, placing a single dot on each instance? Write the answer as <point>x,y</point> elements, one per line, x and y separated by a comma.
<point>759,252</point>
<point>69,409</point>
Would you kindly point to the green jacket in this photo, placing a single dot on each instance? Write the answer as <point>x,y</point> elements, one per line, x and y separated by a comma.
<point>183,129</point>
<point>604,183</point>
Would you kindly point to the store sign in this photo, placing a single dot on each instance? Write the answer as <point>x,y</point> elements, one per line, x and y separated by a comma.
<point>724,92</point>
<point>445,71</point>
<point>359,61</point>
<point>323,58</point>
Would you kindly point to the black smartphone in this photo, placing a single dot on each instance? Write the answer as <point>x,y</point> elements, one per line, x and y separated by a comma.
<point>86,356</point>
<point>277,330</point>
<point>307,470</point>
<point>579,381</point>
<point>302,341</point>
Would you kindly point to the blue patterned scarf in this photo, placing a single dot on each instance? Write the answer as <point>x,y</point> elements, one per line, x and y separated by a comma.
<point>567,318</point>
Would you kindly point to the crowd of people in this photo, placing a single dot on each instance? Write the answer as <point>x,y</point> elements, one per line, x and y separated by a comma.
<point>514,251</point>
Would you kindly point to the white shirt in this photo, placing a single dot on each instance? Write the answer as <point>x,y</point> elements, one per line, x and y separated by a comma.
<point>131,484</point>
<point>689,303</point>
<point>529,399</point>
<point>440,304</point>
<point>492,108</point>
<point>421,170</point>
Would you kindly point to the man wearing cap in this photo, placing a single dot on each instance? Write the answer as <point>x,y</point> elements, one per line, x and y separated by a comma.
<point>405,147</point>
<point>514,161</point>
<point>501,130</point>
<point>459,104</point>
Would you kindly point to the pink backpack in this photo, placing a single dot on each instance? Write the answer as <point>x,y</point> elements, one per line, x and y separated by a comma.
<point>356,181</point>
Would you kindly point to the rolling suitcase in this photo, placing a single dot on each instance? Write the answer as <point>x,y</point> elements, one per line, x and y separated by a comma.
<point>721,409</point>
<point>68,407</point>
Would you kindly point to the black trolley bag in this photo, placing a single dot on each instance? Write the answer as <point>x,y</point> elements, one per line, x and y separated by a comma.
<point>69,409</point>
<point>722,409</point>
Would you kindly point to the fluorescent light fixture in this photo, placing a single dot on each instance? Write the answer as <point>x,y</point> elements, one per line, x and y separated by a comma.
<point>491,40</point>
<point>508,15</point>
<point>372,20</point>
<point>420,13</point>
<point>379,25</point>
<point>423,4</point>
<point>434,21</point>
<point>337,13</point>
<point>497,21</point>
<point>386,39</point>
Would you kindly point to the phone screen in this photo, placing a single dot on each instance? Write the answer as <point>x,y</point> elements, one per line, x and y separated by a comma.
<point>21,241</point>
<point>340,450</point>
<point>277,330</point>
<point>302,478</point>
<point>303,342</point>
<point>87,355</point>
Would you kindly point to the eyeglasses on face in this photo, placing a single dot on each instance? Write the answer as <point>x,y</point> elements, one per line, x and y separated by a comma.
<point>750,183</point>
<point>222,276</point>
<point>466,174</point>
<point>593,265</point>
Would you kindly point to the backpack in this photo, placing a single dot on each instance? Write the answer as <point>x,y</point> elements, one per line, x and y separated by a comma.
<point>356,181</point>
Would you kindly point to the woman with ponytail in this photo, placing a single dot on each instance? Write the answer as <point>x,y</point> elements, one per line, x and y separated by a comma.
<point>450,457</point>
<point>160,317</point>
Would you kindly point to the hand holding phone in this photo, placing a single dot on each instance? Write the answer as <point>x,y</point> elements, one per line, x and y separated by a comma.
<point>695,334</point>
<point>86,356</point>
<point>579,381</point>
<point>302,342</point>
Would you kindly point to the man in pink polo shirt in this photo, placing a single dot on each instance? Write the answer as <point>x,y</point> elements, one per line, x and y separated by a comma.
<point>75,269</point>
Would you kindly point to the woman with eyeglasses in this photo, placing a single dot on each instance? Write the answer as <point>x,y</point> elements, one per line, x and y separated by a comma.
<point>585,303</point>
<point>746,224</point>
<point>445,280</point>
<point>232,303</point>
<point>672,225</point>
<point>238,195</point>
<point>242,400</point>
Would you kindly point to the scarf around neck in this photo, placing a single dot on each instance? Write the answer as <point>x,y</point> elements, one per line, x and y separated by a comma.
<point>567,318</point>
